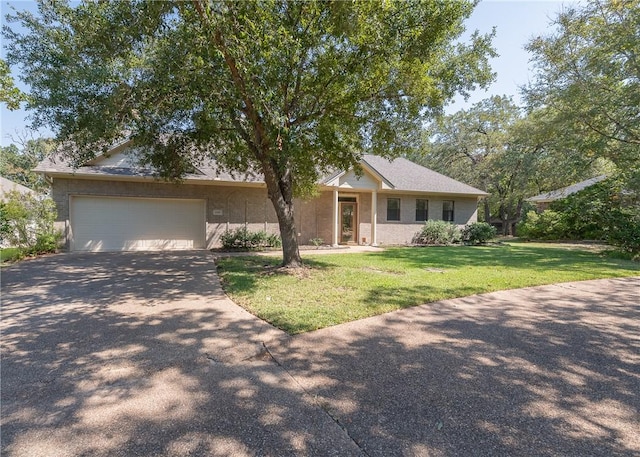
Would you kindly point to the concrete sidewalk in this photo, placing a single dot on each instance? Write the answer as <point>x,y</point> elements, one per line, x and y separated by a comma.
<point>142,354</point>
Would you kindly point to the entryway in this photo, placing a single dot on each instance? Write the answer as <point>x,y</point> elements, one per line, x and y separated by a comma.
<point>348,221</point>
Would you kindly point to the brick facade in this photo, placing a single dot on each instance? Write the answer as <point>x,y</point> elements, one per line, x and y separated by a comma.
<point>232,206</point>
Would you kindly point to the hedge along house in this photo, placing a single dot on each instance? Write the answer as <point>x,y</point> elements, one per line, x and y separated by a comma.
<point>111,204</point>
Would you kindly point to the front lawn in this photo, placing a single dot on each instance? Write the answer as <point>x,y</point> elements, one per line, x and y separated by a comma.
<point>338,288</point>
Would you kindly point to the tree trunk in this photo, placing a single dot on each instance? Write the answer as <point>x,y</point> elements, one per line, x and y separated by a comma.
<point>504,218</point>
<point>290,251</point>
<point>517,216</point>
<point>280,189</point>
<point>487,211</point>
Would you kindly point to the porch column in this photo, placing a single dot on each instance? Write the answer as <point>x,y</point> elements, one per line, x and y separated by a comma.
<point>336,209</point>
<point>374,218</point>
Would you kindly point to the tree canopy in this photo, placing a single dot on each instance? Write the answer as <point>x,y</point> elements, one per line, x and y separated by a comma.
<point>588,77</point>
<point>286,88</point>
<point>9,93</point>
<point>18,159</point>
<point>497,147</point>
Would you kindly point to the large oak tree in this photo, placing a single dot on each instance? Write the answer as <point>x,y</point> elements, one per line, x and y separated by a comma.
<point>588,79</point>
<point>288,89</point>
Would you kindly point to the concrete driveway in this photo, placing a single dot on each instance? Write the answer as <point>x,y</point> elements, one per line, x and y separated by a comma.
<point>123,354</point>
<point>142,354</point>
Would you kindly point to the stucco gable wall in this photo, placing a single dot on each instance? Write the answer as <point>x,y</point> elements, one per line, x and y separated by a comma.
<point>351,181</point>
<point>126,158</point>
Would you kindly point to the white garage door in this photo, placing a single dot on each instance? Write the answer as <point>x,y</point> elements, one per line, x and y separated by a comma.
<point>136,224</point>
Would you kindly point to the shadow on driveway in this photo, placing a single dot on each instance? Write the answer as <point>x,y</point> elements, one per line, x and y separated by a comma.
<point>142,354</point>
<point>543,371</point>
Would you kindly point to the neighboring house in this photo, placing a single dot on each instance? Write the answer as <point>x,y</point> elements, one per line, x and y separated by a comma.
<point>111,204</point>
<point>6,186</point>
<point>542,201</point>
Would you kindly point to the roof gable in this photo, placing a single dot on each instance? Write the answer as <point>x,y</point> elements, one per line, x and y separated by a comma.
<point>369,179</point>
<point>122,159</point>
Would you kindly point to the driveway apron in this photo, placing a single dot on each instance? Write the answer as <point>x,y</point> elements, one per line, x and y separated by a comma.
<point>122,354</point>
<point>544,371</point>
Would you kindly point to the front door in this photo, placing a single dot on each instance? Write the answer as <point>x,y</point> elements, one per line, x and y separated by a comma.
<point>348,222</point>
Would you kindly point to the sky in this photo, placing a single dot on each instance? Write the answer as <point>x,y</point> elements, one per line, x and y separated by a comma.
<point>516,22</point>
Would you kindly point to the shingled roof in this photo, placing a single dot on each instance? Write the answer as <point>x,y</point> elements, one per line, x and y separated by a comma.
<point>405,175</point>
<point>565,191</point>
<point>400,174</point>
<point>58,165</point>
<point>6,186</point>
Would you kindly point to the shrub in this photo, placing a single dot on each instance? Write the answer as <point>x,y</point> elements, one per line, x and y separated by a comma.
<point>478,233</point>
<point>437,232</point>
<point>317,242</point>
<point>608,210</point>
<point>548,225</point>
<point>624,231</point>
<point>45,242</point>
<point>27,223</point>
<point>242,238</point>
<point>274,241</point>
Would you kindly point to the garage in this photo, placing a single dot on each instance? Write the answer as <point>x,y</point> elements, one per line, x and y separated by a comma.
<point>136,224</point>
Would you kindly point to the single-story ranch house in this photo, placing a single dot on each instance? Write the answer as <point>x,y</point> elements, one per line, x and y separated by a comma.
<point>111,204</point>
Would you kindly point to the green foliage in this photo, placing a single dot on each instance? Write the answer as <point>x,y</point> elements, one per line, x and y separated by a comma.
<point>9,93</point>
<point>289,89</point>
<point>624,231</point>
<point>10,254</point>
<point>5,226</point>
<point>478,233</point>
<point>27,223</point>
<point>548,225</point>
<point>317,242</point>
<point>587,79</point>
<point>242,238</point>
<point>606,211</point>
<point>584,214</point>
<point>437,233</point>
<point>18,160</point>
<point>496,147</point>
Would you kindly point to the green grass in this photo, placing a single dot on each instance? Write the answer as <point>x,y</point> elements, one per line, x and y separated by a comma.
<point>339,288</point>
<point>9,254</point>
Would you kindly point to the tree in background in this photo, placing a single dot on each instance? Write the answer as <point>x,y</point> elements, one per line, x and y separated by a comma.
<point>27,223</point>
<point>464,145</point>
<point>494,146</point>
<point>19,158</point>
<point>587,85</point>
<point>588,81</point>
<point>288,89</point>
<point>9,93</point>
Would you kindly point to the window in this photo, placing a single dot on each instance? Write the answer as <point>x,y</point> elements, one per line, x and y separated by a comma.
<point>447,210</point>
<point>393,209</point>
<point>422,210</point>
